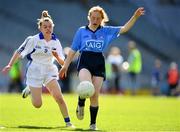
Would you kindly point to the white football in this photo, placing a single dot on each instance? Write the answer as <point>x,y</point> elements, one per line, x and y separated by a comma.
<point>85,89</point>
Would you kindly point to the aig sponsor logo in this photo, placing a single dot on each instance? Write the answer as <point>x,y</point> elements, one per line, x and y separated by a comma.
<point>38,47</point>
<point>92,44</point>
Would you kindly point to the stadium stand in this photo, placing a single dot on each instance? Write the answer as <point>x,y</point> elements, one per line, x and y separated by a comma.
<point>156,34</point>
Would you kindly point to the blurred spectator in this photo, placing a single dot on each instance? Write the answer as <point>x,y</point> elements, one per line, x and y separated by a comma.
<point>135,65</point>
<point>15,74</point>
<point>115,60</point>
<point>173,79</point>
<point>156,77</point>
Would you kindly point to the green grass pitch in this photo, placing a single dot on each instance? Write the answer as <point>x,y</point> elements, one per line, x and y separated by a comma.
<point>116,113</point>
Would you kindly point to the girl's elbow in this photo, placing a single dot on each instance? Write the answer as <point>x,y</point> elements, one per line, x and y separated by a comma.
<point>123,31</point>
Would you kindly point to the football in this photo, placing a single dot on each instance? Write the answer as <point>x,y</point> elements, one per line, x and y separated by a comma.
<point>85,89</point>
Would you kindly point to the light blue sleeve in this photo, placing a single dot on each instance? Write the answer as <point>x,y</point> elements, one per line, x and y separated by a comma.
<point>76,41</point>
<point>112,32</point>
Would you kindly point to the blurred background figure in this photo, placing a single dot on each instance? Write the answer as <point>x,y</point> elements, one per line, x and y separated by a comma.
<point>114,60</point>
<point>135,66</point>
<point>16,81</point>
<point>156,77</point>
<point>173,79</point>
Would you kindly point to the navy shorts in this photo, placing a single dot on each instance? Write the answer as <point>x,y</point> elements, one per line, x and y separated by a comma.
<point>92,61</point>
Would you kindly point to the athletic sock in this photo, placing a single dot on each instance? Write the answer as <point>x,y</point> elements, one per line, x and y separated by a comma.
<point>67,119</point>
<point>81,102</point>
<point>93,114</point>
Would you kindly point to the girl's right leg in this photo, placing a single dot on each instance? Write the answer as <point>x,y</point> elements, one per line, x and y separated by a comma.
<point>36,96</point>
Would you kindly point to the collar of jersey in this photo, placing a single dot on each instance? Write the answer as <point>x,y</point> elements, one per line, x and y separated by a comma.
<point>92,30</point>
<point>41,36</point>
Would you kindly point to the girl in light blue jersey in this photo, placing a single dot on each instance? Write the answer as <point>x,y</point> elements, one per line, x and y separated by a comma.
<point>91,41</point>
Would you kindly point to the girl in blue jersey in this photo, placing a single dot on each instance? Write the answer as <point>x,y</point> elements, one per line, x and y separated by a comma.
<point>40,50</point>
<point>91,41</point>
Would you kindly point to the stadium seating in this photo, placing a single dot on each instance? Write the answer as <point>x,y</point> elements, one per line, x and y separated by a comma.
<point>157,35</point>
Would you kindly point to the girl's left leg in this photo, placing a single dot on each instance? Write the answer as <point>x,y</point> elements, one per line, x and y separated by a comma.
<point>55,91</point>
<point>94,101</point>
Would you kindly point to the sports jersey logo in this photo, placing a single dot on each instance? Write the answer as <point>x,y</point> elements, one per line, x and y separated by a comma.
<point>38,47</point>
<point>45,50</point>
<point>21,49</point>
<point>96,45</point>
<point>53,49</point>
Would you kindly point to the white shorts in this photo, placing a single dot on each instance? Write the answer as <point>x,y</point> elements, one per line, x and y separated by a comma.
<point>39,74</point>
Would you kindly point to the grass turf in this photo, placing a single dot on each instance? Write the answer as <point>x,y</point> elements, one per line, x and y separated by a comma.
<point>116,113</point>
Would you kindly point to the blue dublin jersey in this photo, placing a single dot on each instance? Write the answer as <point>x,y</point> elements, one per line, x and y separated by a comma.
<point>97,41</point>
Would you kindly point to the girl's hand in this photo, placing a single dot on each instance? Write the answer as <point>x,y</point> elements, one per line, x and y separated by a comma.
<point>63,72</point>
<point>6,69</point>
<point>139,12</point>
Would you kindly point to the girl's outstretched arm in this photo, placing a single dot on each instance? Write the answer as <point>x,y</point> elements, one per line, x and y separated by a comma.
<point>13,59</point>
<point>139,12</point>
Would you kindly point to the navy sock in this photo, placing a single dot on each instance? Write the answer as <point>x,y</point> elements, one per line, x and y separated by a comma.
<point>93,114</point>
<point>67,119</point>
<point>81,102</point>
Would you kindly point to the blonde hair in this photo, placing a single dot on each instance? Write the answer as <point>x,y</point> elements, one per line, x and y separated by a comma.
<point>44,17</point>
<point>101,11</point>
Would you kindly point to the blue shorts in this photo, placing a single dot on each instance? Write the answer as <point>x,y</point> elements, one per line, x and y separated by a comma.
<point>92,61</point>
